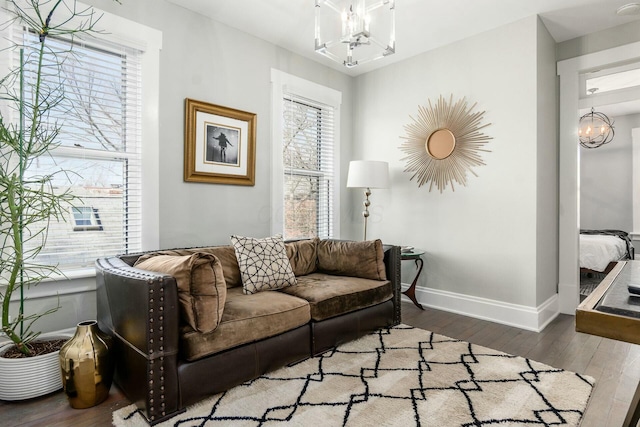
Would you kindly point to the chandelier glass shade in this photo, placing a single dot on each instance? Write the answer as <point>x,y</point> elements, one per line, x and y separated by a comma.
<point>595,130</point>
<point>347,31</point>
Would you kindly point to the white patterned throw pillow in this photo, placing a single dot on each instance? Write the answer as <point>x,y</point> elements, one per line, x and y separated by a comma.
<point>263,263</point>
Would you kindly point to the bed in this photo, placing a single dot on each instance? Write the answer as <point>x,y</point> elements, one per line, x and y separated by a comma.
<point>601,249</point>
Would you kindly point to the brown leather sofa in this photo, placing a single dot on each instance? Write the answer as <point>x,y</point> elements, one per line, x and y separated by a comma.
<point>160,362</point>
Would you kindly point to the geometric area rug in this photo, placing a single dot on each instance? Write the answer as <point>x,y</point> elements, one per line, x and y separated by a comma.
<point>401,376</point>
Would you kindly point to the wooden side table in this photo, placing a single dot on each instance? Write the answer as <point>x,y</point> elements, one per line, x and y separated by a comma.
<point>416,256</point>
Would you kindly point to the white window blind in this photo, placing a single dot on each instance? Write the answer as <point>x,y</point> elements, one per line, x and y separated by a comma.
<point>99,145</point>
<point>308,163</point>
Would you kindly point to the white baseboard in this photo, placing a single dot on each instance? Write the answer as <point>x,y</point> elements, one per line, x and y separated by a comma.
<point>523,317</point>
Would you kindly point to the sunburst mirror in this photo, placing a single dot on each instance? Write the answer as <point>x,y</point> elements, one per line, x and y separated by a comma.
<point>444,142</point>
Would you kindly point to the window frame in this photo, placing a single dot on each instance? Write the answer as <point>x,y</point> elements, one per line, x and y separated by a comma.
<point>149,42</point>
<point>102,62</point>
<point>283,83</point>
<point>93,217</point>
<point>117,30</point>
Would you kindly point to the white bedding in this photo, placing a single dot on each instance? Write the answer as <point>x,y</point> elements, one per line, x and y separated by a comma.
<point>597,251</point>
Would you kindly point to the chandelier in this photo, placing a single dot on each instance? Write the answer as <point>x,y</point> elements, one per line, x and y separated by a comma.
<point>595,129</point>
<point>344,30</point>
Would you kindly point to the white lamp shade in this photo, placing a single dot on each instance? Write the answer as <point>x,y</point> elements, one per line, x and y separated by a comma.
<point>368,174</point>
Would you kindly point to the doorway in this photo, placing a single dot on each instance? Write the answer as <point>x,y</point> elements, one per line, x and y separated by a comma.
<point>570,71</point>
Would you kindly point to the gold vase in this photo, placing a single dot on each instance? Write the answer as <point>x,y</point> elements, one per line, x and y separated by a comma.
<point>86,366</point>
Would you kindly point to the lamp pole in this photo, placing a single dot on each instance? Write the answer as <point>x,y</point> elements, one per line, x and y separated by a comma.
<point>365,212</point>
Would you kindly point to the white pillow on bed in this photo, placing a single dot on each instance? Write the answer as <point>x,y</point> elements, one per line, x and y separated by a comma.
<point>597,251</point>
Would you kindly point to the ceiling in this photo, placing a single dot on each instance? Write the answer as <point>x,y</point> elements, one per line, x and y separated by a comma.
<point>421,25</point>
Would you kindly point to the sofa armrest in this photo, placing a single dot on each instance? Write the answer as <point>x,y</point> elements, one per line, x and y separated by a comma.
<point>139,309</point>
<point>392,269</point>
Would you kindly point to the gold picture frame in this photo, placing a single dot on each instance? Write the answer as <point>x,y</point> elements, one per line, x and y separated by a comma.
<point>219,144</point>
<point>443,142</point>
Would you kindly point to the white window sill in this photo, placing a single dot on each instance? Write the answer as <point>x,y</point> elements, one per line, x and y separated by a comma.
<point>72,274</point>
<point>71,282</point>
<point>67,275</point>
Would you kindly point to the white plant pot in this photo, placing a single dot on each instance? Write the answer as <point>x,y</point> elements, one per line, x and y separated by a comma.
<point>30,377</point>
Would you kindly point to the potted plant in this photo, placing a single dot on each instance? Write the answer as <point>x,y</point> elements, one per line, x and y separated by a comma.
<point>28,201</point>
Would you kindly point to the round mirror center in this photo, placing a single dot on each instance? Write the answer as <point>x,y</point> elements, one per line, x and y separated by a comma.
<point>441,144</point>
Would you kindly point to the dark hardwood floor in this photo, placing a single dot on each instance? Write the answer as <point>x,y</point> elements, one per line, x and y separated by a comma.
<point>614,365</point>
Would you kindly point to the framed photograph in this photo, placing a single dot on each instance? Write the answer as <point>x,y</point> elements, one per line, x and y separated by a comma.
<point>219,144</point>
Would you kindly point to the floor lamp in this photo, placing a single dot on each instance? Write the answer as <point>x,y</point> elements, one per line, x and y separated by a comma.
<point>367,174</point>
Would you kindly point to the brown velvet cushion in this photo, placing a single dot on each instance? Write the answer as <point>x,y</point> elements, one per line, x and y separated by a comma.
<point>226,255</point>
<point>246,318</point>
<point>201,288</point>
<point>356,259</point>
<point>331,296</point>
<point>303,256</point>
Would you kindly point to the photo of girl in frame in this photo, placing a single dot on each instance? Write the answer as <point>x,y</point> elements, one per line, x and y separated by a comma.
<point>222,145</point>
<point>219,144</point>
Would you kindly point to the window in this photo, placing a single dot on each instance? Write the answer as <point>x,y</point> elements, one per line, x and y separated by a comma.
<point>99,118</point>
<point>100,143</point>
<point>305,158</point>
<point>611,79</point>
<point>307,149</point>
<point>86,218</point>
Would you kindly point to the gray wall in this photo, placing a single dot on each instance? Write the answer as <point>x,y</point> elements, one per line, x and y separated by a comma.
<point>208,61</point>
<point>606,173</point>
<point>601,40</point>
<point>495,238</point>
<point>484,239</point>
